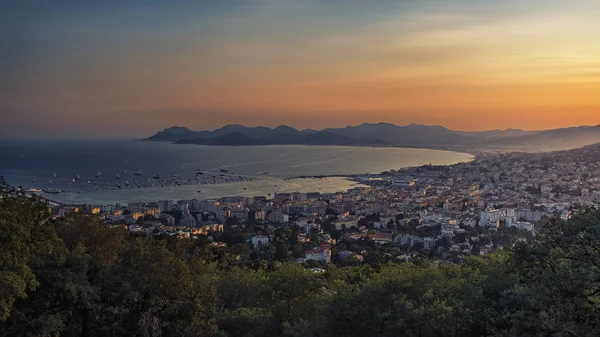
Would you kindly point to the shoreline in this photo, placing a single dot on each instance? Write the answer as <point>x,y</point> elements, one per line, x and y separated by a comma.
<point>471,152</point>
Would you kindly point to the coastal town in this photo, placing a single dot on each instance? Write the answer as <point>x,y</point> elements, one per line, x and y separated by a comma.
<point>442,212</point>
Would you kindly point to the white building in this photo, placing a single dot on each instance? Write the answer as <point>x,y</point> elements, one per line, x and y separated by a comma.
<point>322,254</point>
<point>528,226</point>
<point>259,240</point>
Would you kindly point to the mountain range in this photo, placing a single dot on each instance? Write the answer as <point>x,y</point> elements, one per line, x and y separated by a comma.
<point>386,134</point>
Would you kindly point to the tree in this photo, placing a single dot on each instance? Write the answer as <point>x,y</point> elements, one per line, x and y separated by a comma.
<point>280,251</point>
<point>562,269</point>
<point>293,288</point>
<point>148,291</point>
<point>26,240</point>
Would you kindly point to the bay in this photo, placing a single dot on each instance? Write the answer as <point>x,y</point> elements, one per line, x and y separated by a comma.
<point>221,170</point>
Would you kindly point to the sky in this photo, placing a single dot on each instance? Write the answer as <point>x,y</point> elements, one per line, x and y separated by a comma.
<point>129,68</point>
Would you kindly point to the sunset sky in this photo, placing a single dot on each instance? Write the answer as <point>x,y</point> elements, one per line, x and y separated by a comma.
<point>69,69</point>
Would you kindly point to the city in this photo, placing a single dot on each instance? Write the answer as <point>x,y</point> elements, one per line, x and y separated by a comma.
<point>445,212</point>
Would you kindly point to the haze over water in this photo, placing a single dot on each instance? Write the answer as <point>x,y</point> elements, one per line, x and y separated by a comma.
<point>21,161</point>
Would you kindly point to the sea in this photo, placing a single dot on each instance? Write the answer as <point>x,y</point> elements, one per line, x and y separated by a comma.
<point>120,171</point>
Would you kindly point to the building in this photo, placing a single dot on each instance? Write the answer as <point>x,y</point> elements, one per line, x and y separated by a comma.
<point>134,206</point>
<point>260,215</point>
<point>154,211</point>
<point>136,215</point>
<point>169,219</point>
<point>259,241</point>
<point>528,226</point>
<point>381,238</point>
<point>489,216</point>
<point>181,205</point>
<point>321,254</point>
<point>64,211</point>
<point>187,219</point>
<point>165,205</point>
<point>427,243</point>
<point>297,196</point>
<point>279,217</point>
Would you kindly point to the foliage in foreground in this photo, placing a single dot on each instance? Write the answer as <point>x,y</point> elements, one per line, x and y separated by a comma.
<point>78,277</point>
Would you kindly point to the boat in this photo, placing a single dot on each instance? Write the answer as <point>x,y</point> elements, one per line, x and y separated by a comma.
<point>54,175</point>
<point>139,173</point>
<point>124,171</point>
<point>224,171</point>
<point>244,188</point>
<point>52,190</point>
<point>199,191</point>
<point>117,176</point>
<point>33,180</point>
<point>77,177</point>
<point>51,182</point>
<point>156,176</point>
<point>98,174</point>
<point>34,190</point>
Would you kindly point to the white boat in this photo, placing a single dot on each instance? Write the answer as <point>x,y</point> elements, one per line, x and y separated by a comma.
<point>54,175</point>
<point>52,190</point>
<point>117,176</point>
<point>139,173</point>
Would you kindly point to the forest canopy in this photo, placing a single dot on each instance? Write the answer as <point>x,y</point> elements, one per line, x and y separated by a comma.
<point>77,276</point>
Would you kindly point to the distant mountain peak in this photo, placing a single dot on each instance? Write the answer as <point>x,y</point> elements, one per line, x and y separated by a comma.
<point>388,134</point>
<point>285,128</point>
<point>176,128</point>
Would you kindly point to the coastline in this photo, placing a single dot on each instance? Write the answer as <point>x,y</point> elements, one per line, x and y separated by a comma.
<point>469,151</point>
<point>247,171</point>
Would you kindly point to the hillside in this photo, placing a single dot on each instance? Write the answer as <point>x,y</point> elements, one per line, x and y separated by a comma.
<point>386,134</point>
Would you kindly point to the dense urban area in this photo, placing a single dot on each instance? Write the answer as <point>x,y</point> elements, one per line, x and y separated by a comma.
<point>447,213</point>
<point>505,245</point>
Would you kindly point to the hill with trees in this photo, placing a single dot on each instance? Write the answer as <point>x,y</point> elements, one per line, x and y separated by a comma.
<point>76,276</point>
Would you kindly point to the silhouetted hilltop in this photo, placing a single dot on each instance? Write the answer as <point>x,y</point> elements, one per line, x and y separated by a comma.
<point>386,134</point>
